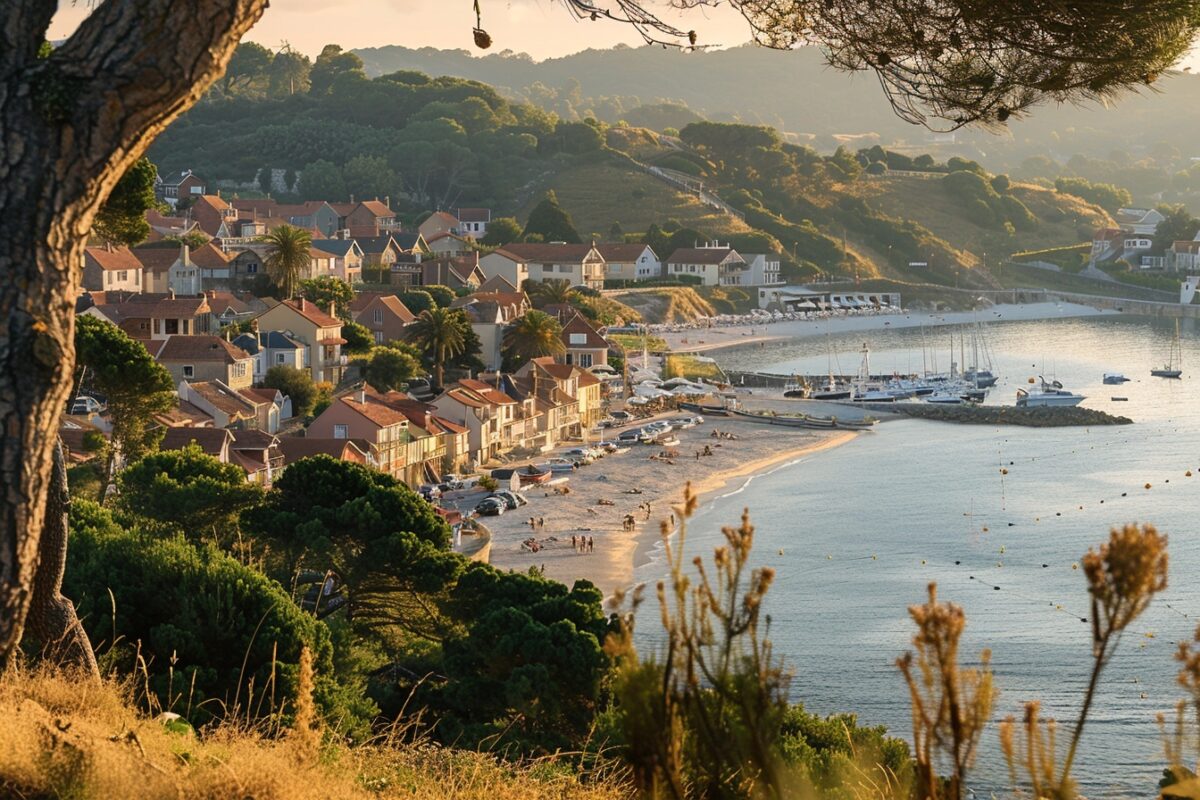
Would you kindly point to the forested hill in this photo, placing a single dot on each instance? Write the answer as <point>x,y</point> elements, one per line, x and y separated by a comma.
<point>797,93</point>
<point>329,132</point>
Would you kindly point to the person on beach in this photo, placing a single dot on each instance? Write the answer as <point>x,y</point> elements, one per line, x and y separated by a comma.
<point>574,543</point>
<point>541,522</point>
<point>591,545</point>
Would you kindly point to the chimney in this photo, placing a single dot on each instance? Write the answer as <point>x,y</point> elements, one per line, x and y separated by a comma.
<point>351,199</point>
<point>362,396</point>
<point>170,293</point>
<point>218,192</point>
<point>387,201</point>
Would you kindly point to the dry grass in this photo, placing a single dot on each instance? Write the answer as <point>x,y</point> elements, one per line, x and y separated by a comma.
<point>666,304</point>
<point>68,738</point>
<point>596,195</point>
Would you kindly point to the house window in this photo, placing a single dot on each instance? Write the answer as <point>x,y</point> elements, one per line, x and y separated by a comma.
<point>568,359</point>
<point>171,326</point>
<point>279,358</point>
<point>378,337</point>
<point>239,369</point>
<point>251,269</point>
<point>578,338</point>
<point>341,432</point>
<point>585,360</point>
<point>189,371</point>
<point>379,316</point>
<point>122,275</point>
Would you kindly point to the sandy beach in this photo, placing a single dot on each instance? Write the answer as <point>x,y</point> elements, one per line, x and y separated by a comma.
<point>616,551</point>
<point>701,340</point>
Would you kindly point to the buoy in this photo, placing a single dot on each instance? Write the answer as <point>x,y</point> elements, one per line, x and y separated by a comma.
<point>1187,474</point>
<point>1003,471</point>
<point>781,551</point>
<point>1074,566</point>
<point>1001,548</point>
<point>1123,494</point>
<point>1147,486</point>
<point>1044,566</point>
<point>956,563</point>
<point>997,588</point>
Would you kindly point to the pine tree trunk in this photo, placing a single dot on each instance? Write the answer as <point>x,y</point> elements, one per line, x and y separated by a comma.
<point>71,124</point>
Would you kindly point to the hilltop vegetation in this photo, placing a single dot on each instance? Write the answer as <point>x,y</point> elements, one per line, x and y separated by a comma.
<point>443,142</point>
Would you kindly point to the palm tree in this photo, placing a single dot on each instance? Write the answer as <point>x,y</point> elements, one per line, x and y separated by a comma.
<point>438,332</point>
<point>534,335</point>
<point>288,257</point>
<point>552,291</point>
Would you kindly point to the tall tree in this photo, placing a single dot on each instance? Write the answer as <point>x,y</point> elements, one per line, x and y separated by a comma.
<point>288,73</point>
<point>332,66</point>
<point>137,386</point>
<point>549,221</point>
<point>248,66</point>
<point>188,491</point>
<point>438,332</point>
<point>500,231</point>
<point>388,368</point>
<point>288,257</point>
<point>533,335</point>
<point>122,220</point>
<point>332,295</point>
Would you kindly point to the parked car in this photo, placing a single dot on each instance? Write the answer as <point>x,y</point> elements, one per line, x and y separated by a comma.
<point>632,435</point>
<point>557,465</point>
<point>491,507</point>
<point>429,491</point>
<point>85,404</point>
<point>682,423</point>
<point>621,417</point>
<point>511,499</point>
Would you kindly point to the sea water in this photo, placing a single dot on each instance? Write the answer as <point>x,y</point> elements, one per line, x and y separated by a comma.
<point>857,533</point>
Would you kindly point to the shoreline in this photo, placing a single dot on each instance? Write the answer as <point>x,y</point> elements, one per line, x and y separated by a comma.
<point>707,490</point>
<point>701,340</point>
<point>597,504</point>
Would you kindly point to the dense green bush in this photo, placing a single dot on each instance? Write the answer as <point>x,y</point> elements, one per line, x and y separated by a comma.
<point>212,635</point>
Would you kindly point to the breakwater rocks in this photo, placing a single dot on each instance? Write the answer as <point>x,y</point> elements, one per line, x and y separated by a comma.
<point>1003,415</point>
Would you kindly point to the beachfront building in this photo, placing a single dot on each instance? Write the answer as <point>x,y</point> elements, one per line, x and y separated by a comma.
<point>630,262</point>
<point>584,346</point>
<point>484,411</point>
<point>713,263</point>
<point>578,264</point>
<point>803,299</point>
<point>365,416</point>
<point>763,269</point>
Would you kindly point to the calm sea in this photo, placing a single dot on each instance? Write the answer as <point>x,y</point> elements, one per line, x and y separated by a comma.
<point>857,533</point>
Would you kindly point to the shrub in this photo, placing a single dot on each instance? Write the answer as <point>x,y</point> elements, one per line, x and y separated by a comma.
<point>214,636</point>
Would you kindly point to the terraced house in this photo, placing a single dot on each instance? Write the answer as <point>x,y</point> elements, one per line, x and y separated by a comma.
<point>367,417</point>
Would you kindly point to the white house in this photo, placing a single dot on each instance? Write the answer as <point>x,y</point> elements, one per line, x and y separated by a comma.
<point>630,262</point>
<point>715,264</point>
<point>578,264</point>
<point>271,349</point>
<point>1142,221</point>
<point>473,222</point>
<point>507,265</point>
<point>763,270</point>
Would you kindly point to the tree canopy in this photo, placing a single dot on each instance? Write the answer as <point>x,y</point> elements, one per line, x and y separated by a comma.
<point>136,386</point>
<point>550,222</point>
<point>122,220</point>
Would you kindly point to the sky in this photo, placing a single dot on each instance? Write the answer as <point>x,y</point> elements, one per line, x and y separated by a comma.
<point>542,28</point>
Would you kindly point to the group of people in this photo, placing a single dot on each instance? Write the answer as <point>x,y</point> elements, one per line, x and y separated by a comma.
<point>537,523</point>
<point>707,451</point>
<point>583,544</point>
<point>716,434</point>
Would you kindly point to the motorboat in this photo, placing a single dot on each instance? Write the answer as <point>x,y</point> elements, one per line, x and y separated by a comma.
<point>1050,394</point>
<point>1113,378</point>
<point>530,474</point>
<point>944,399</point>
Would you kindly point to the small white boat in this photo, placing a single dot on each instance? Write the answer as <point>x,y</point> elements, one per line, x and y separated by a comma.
<point>1049,395</point>
<point>1174,366</point>
<point>945,399</point>
<point>1114,378</point>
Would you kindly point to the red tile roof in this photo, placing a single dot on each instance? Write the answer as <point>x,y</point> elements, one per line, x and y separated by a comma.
<point>113,259</point>
<point>547,252</point>
<point>622,252</point>
<point>201,348</point>
<point>377,208</point>
<point>312,313</point>
<point>577,324</point>
<point>375,410</point>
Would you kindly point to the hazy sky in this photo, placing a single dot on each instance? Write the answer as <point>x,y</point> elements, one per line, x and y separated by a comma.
<point>542,28</point>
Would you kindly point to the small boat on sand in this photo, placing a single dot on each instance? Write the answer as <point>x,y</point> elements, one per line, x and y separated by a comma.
<point>530,475</point>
